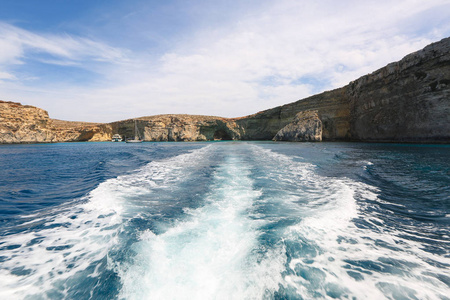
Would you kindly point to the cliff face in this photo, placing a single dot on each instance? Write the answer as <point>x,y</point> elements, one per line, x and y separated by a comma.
<point>306,127</point>
<point>333,109</point>
<point>67,131</point>
<point>179,128</point>
<point>28,124</point>
<point>23,123</point>
<point>406,101</point>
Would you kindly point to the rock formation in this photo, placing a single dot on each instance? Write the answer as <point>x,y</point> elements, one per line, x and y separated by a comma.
<point>406,101</point>
<point>306,127</point>
<point>68,131</point>
<point>28,124</point>
<point>333,109</point>
<point>179,128</point>
<point>23,123</point>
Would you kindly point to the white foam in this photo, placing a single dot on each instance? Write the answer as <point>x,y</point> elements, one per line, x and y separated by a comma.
<point>211,255</point>
<point>329,228</point>
<point>82,233</point>
<point>216,251</point>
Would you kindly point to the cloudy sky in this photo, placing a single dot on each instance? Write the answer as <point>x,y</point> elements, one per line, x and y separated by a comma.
<point>107,60</point>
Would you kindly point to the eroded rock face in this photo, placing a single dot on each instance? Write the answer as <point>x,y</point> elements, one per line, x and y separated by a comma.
<point>179,128</point>
<point>333,109</point>
<point>28,124</point>
<point>67,131</point>
<point>406,101</point>
<point>306,127</point>
<point>23,124</point>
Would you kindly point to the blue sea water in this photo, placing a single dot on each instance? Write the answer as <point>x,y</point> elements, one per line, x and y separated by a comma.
<point>224,220</point>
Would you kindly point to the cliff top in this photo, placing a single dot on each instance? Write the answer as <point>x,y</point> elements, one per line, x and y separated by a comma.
<point>18,104</point>
<point>72,124</point>
<point>176,116</point>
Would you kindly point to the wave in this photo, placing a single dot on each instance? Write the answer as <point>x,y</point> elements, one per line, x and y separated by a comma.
<point>329,255</point>
<point>211,253</point>
<point>227,221</point>
<point>64,252</point>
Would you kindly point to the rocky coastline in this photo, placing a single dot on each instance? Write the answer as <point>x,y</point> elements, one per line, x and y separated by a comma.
<point>406,101</point>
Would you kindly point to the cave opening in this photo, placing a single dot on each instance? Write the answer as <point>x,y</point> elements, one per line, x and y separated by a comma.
<point>85,136</point>
<point>222,135</point>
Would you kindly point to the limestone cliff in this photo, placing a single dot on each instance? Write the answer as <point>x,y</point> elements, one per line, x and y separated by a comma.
<point>179,128</point>
<point>306,127</point>
<point>333,109</point>
<point>28,124</point>
<point>23,123</point>
<point>406,101</point>
<point>69,131</point>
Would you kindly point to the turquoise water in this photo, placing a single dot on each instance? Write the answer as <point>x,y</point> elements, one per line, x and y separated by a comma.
<point>224,220</point>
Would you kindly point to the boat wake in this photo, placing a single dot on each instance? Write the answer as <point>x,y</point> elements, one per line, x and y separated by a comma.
<point>66,252</point>
<point>227,221</point>
<point>211,254</point>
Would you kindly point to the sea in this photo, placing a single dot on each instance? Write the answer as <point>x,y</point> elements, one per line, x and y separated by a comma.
<point>224,220</point>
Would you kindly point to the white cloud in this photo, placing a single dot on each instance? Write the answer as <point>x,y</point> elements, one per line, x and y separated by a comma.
<point>282,52</point>
<point>5,75</point>
<point>17,44</point>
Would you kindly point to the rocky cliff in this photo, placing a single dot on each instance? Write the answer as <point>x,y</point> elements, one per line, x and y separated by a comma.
<point>23,123</point>
<point>333,109</point>
<point>406,101</point>
<point>179,128</point>
<point>306,127</point>
<point>28,124</point>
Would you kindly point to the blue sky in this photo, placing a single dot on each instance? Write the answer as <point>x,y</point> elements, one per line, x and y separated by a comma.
<point>109,60</point>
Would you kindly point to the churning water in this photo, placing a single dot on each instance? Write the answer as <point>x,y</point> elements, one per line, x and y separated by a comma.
<point>228,220</point>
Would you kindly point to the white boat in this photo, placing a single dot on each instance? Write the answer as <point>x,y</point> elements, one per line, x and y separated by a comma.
<point>116,138</point>
<point>137,137</point>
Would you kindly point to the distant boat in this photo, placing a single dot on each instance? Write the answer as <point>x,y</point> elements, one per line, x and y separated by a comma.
<point>137,137</point>
<point>116,138</point>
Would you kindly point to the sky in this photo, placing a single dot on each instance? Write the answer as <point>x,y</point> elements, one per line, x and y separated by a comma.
<point>109,60</point>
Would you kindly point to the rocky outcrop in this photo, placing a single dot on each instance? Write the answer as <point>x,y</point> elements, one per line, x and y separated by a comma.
<point>68,131</point>
<point>28,124</point>
<point>333,109</point>
<point>23,123</point>
<point>406,101</point>
<point>306,127</point>
<point>179,128</point>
